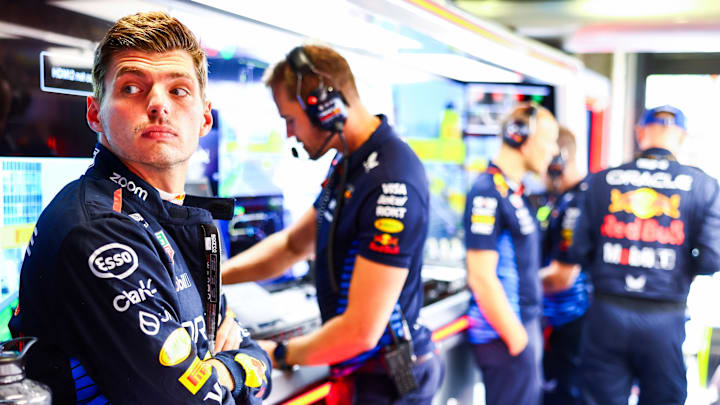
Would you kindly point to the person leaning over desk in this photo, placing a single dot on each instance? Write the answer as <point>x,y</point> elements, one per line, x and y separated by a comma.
<point>367,229</point>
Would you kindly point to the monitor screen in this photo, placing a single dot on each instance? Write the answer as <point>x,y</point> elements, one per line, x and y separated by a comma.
<point>27,185</point>
<point>43,120</point>
<point>255,219</point>
<point>255,165</point>
<point>448,187</point>
<point>429,109</point>
<point>487,104</point>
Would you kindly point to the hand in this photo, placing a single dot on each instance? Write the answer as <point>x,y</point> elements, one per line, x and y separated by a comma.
<point>228,336</point>
<point>269,347</point>
<point>517,341</point>
<point>224,376</point>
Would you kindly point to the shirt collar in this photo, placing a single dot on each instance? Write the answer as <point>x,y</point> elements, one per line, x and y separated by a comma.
<point>176,199</point>
<point>514,187</point>
<point>381,134</point>
<point>657,153</point>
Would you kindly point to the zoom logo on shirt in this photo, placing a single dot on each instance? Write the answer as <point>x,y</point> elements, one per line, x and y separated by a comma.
<point>129,185</point>
<point>113,260</point>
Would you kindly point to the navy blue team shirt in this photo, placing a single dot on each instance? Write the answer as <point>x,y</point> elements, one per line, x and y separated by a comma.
<point>648,227</point>
<point>499,217</point>
<point>565,306</point>
<point>384,218</point>
<point>113,284</point>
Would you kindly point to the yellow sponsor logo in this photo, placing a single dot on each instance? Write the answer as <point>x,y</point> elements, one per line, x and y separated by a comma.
<point>500,184</point>
<point>195,376</point>
<point>254,370</point>
<point>176,348</point>
<point>644,203</point>
<point>482,219</point>
<point>389,225</point>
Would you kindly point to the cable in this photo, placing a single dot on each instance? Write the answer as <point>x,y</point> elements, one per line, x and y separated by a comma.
<point>338,206</point>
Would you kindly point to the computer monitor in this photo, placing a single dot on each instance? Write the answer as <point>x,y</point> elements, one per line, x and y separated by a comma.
<point>448,186</point>
<point>488,103</point>
<point>255,219</point>
<point>27,185</point>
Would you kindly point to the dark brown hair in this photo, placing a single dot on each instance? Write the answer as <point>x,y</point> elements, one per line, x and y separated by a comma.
<point>148,32</point>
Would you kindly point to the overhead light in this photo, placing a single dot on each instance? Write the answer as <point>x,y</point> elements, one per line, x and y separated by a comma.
<point>458,67</point>
<point>108,10</point>
<point>46,36</point>
<point>346,28</point>
<point>633,9</point>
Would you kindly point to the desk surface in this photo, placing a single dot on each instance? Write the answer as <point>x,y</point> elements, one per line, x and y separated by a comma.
<point>287,384</point>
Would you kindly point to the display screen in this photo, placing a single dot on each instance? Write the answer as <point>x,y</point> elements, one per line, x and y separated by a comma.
<point>448,188</point>
<point>47,115</point>
<point>272,189</point>
<point>27,186</point>
<point>255,219</point>
<point>430,117</point>
<point>487,104</point>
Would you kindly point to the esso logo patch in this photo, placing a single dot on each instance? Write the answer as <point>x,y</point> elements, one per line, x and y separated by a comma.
<point>113,260</point>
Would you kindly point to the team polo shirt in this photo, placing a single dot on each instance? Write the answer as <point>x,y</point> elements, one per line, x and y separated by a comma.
<point>499,217</point>
<point>384,218</point>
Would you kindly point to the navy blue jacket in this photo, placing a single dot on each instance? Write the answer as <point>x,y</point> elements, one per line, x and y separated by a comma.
<point>499,217</point>
<point>113,285</point>
<point>384,218</point>
<point>648,227</point>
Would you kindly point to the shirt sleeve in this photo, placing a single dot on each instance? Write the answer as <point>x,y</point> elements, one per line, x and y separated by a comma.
<point>582,246</point>
<point>482,219</point>
<point>123,309</point>
<point>564,231</point>
<point>706,244</point>
<point>392,224</point>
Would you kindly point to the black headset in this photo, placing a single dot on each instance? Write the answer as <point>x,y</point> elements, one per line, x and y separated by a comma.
<point>325,106</point>
<point>515,130</point>
<point>557,165</point>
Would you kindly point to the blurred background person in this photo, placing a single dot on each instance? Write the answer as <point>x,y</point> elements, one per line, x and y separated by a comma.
<point>503,260</point>
<point>646,229</point>
<point>564,302</point>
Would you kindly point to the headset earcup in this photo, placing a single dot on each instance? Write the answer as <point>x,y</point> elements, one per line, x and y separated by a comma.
<point>326,108</point>
<point>515,133</point>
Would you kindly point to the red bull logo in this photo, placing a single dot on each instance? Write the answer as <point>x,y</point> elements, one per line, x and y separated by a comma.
<point>384,243</point>
<point>644,230</point>
<point>644,203</point>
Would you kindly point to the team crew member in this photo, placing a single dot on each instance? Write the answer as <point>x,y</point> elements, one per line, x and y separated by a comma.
<point>647,228</point>
<point>368,251</point>
<point>114,279</point>
<point>564,302</point>
<point>503,261</point>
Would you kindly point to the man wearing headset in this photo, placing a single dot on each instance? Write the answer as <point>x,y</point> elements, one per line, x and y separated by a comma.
<point>367,230</point>
<point>503,260</point>
<point>647,228</point>
<point>564,303</point>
